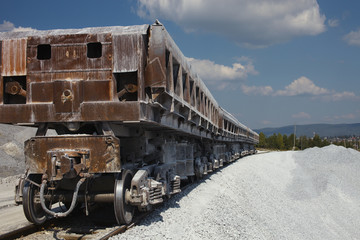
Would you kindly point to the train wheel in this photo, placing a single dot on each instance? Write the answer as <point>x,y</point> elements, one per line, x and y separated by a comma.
<point>31,201</point>
<point>123,212</point>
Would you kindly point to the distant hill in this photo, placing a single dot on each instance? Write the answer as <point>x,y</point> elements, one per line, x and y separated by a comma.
<point>323,130</point>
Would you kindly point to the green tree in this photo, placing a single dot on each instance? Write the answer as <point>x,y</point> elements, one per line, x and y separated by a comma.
<point>325,143</point>
<point>316,141</point>
<point>303,143</point>
<point>271,141</point>
<point>291,141</point>
<point>286,142</point>
<point>262,140</point>
<point>279,142</point>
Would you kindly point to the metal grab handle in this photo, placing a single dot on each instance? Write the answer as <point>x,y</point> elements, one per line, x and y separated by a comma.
<point>73,202</point>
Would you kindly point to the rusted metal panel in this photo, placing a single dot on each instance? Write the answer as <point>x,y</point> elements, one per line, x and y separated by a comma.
<point>126,50</point>
<point>93,90</point>
<point>154,74</point>
<point>194,96</point>
<point>89,75</point>
<point>41,92</point>
<point>70,53</point>
<point>90,111</point>
<point>169,73</point>
<point>112,111</point>
<point>78,76</point>
<point>130,56</point>
<point>13,54</point>
<point>68,95</point>
<point>187,89</point>
<point>97,91</point>
<point>92,154</point>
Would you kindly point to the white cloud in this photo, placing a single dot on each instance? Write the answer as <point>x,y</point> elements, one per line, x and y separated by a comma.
<point>7,26</point>
<point>345,116</point>
<point>301,115</point>
<point>349,116</point>
<point>302,86</point>
<point>353,38</point>
<point>251,23</point>
<point>333,22</point>
<point>339,96</point>
<point>221,75</point>
<point>257,90</point>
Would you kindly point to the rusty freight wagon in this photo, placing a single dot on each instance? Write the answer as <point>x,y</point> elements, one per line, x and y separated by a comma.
<point>132,118</point>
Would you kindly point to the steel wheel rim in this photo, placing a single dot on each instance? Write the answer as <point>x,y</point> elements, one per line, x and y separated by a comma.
<point>123,212</point>
<point>31,203</point>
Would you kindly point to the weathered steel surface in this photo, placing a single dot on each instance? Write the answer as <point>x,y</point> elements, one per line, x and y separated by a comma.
<point>59,155</point>
<point>126,52</point>
<point>110,74</point>
<point>13,57</point>
<point>111,94</point>
<point>91,111</point>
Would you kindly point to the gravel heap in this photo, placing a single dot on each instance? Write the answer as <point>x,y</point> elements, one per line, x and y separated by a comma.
<point>12,138</point>
<point>11,149</point>
<point>313,194</point>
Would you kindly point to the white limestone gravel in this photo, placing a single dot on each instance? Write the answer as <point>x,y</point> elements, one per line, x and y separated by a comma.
<point>312,194</point>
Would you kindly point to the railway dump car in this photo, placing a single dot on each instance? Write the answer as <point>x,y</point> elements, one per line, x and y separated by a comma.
<point>132,118</point>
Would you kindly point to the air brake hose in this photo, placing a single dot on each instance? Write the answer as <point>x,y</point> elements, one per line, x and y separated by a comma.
<point>73,202</point>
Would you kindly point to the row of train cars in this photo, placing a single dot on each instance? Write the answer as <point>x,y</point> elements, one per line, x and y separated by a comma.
<point>133,119</point>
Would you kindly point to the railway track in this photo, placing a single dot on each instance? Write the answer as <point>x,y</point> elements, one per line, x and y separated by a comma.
<point>59,229</point>
<point>31,228</point>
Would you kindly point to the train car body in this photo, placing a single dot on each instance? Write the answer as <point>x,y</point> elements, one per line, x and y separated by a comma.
<point>132,118</point>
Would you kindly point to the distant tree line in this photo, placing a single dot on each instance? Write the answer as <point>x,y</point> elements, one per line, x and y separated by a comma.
<point>284,142</point>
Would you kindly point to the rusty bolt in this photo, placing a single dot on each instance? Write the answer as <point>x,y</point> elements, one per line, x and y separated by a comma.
<point>66,96</point>
<point>14,88</point>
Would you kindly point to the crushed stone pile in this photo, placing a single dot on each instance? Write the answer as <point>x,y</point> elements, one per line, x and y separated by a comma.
<point>11,149</point>
<point>312,194</point>
<point>12,140</point>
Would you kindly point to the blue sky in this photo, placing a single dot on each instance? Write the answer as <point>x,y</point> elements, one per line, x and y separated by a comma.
<point>269,63</point>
